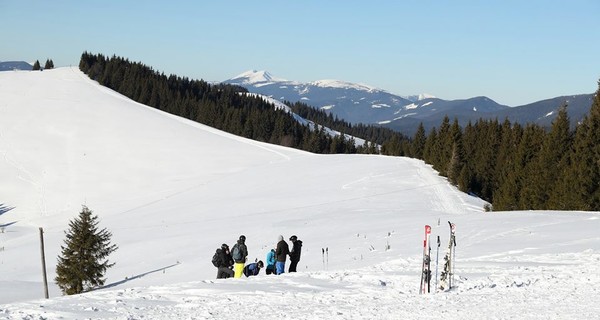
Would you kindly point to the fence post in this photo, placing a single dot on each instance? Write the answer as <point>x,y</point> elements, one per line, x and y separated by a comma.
<point>44,263</point>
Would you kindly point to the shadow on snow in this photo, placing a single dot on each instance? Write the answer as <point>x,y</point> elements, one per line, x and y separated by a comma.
<point>114,284</point>
<point>4,209</point>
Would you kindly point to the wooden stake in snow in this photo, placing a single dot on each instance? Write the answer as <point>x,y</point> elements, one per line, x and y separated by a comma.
<point>44,263</point>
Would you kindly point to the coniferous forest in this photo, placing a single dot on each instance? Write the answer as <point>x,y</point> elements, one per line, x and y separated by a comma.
<point>225,107</point>
<point>520,167</point>
<point>513,166</point>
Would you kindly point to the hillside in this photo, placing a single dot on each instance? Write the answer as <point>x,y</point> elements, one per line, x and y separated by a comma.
<point>14,65</point>
<point>171,191</point>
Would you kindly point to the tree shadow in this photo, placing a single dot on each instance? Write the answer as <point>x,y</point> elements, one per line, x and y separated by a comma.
<point>4,209</point>
<point>114,284</point>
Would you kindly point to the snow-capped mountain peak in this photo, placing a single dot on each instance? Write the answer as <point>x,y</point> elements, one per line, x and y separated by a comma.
<point>329,83</point>
<point>252,77</point>
<point>419,97</point>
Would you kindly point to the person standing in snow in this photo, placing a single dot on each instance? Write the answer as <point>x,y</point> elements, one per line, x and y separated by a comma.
<point>239,252</point>
<point>295,253</point>
<point>281,253</point>
<point>224,262</point>
<point>271,262</point>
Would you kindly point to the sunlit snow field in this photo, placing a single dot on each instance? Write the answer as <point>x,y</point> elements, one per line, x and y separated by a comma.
<point>171,191</point>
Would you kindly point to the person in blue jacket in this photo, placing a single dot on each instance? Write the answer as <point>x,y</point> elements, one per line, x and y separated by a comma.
<point>271,262</point>
<point>253,269</point>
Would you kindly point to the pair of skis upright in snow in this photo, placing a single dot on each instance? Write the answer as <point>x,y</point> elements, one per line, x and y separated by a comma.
<point>448,272</point>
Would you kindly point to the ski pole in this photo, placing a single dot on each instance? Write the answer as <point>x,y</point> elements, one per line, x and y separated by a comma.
<point>437,256</point>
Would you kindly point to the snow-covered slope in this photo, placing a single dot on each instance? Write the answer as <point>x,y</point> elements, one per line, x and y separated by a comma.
<point>14,65</point>
<point>171,191</point>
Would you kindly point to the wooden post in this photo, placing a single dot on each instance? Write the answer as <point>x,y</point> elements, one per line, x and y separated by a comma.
<point>44,263</point>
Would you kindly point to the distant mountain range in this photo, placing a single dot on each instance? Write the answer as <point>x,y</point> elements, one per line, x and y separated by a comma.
<point>359,103</point>
<point>14,65</point>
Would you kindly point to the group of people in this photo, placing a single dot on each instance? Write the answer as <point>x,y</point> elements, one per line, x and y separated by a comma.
<point>232,263</point>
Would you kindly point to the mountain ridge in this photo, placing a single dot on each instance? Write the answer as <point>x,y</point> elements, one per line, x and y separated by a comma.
<point>360,103</point>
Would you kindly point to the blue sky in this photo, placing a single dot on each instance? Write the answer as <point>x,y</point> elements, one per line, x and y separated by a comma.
<point>514,52</point>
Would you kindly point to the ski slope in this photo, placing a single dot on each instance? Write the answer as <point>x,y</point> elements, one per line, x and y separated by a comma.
<point>171,191</point>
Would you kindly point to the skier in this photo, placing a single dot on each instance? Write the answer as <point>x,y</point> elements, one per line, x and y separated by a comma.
<point>253,269</point>
<point>239,253</point>
<point>223,261</point>
<point>295,253</point>
<point>271,262</point>
<point>281,254</point>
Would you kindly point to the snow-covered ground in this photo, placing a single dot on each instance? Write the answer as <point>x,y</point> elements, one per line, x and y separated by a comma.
<point>171,191</point>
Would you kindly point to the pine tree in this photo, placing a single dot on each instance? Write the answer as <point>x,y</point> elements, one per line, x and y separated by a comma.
<point>49,64</point>
<point>418,143</point>
<point>82,265</point>
<point>36,66</point>
<point>555,155</point>
<point>584,169</point>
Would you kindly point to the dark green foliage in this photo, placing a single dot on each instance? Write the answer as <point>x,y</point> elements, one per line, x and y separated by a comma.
<point>49,64</point>
<point>36,66</point>
<point>392,143</point>
<point>82,263</point>
<point>227,107</point>
<point>418,143</point>
<point>518,168</point>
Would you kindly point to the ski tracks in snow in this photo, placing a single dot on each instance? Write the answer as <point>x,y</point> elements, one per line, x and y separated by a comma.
<point>445,198</point>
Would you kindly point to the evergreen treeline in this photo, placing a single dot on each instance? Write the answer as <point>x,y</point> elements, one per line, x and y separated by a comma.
<point>225,107</point>
<point>49,65</point>
<point>514,167</point>
<point>391,142</point>
<point>519,167</point>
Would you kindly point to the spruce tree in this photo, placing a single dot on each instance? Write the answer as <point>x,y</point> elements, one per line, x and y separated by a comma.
<point>49,64</point>
<point>82,263</point>
<point>418,143</point>
<point>555,155</point>
<point>584,169</point>
<point>36,66</point>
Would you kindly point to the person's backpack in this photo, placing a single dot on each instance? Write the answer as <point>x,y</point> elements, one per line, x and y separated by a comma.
<point>215,259</point>
<point>236,254</point>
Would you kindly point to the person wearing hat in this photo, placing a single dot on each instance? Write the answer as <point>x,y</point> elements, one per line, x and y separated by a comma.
<point>253,268</point>
<point>295,253</point>
<point>271,262</point>
<point>281,253</point>
<point>224,262</point>
<point>239,252</point>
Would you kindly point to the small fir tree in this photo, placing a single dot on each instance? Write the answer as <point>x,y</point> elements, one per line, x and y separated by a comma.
<point>36,65</point>
<point>82,263</point>
<point>49,64</point>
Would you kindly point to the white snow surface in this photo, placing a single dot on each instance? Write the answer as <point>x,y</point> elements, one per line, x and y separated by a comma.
<point>258,78</point>
<point>171,191</point>
<point>330,83</point>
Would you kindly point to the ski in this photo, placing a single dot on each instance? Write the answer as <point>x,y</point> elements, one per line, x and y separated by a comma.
<point>425,271</point>
<point>447,274</point>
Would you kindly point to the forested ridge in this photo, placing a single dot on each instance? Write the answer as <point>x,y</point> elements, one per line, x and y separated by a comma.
<point>225,107</point>
<point>520,167</point>
<point>513,166</point>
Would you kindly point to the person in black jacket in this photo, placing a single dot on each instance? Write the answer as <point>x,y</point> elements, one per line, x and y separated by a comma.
<point>240,255</point>
<point>281,253</point>
<point>225,263</point>
<point>295,253</point>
